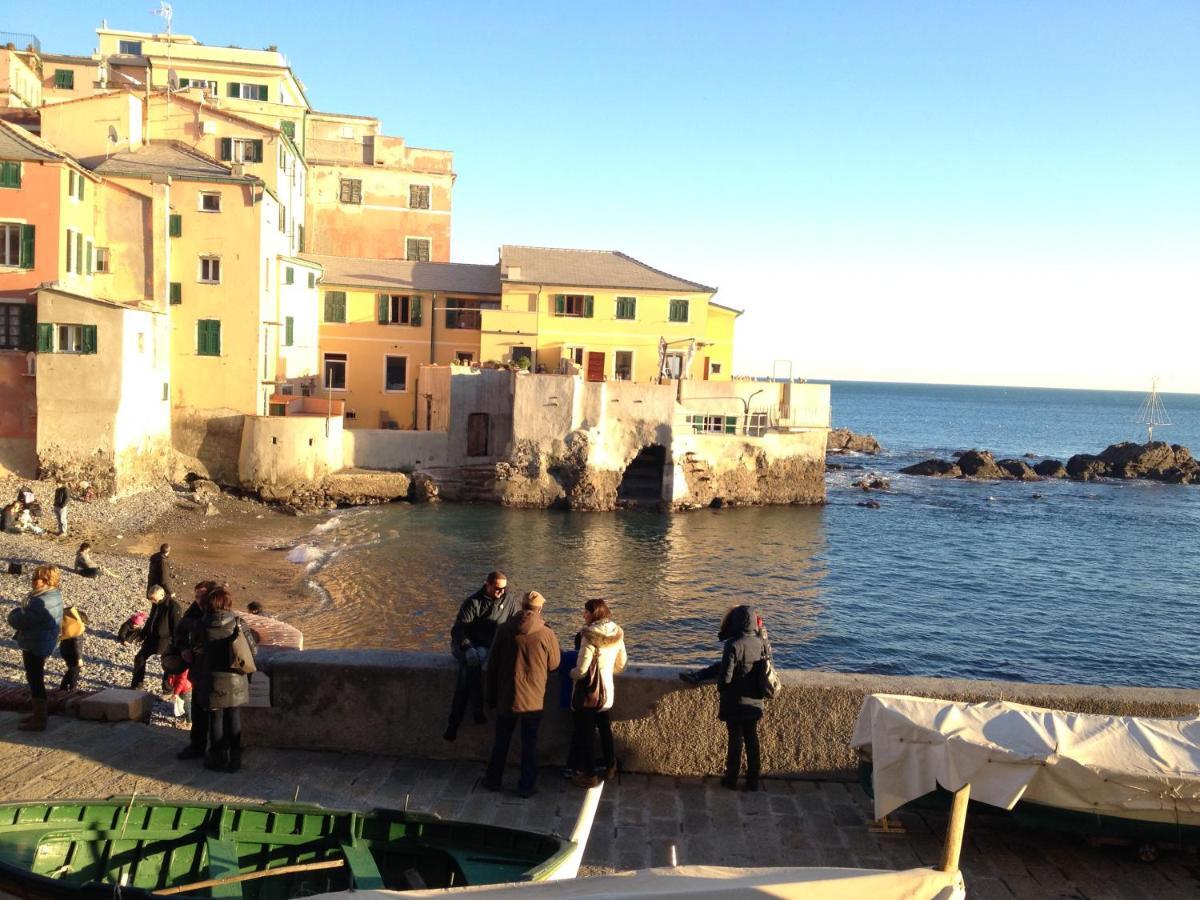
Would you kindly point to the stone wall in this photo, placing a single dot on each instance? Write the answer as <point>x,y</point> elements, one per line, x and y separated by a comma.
<point>285,450</point>
<point>214,437</point>
<point>381,701</point>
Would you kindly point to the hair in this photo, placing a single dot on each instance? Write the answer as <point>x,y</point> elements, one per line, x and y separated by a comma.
<point>493,577</point>
<point>598,607</point>
<point>47,575</point>
<point>206,587</point>
<point>156,593</point>
<point>219,600</point>
<point>254,607</point>
<point>165,548</point>
<point>86,545</point>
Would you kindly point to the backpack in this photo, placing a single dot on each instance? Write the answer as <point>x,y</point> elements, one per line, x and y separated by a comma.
<point>769,684</point>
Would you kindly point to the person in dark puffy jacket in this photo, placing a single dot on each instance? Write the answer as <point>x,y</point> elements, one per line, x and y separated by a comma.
<point>224,689</point>
<point>471,638</point>
<point>37,622</point>
<point>189,642</point>
<point>739,688</point>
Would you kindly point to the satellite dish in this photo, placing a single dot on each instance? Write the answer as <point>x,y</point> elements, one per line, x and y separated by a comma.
<point>172,79</point>
<point>113,137</point>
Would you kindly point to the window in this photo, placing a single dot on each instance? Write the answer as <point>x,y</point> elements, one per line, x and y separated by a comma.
<point>210,201</point>
<point>176,227</point>
<point>300,238</point>
<point>88,267</point>
<point>574,354</point>
<point>347,131</point>
<point>678,311</point>
<point>715,368</point>
<point>523,353</point>
<point>74,185</point>
<point>627,307</point>
<point>673,365</point>
<point>76,339</point>
<point>623,365</point>
<point>102,260</point>
<point>289,275</point>
<point>395,373</point>
<point>247,91</point>
<point>210,86</point>
<point>283,220</point>
<point>335,306</point>
<point>17,323</point>
<point>465,313</point>
<point>10,174</point>
<point>130,48</point>
<point>208,337</point>
<point>351,190</point>
<point>398,309</point>
<point>70,249</point>
<point>312,279</point>
<point>573,305</point>
<point>713,424</point>
<point>335,371</point>
<point>64,79</point>
<point>78,253</point>
<point>289,331</point>
<point>418,196</point>
<point>464,357</point>
<point>417,249</point>
<point>288,127</point>
<point>210,269</point>
<point>16,245</point>
<point>176,293</point>
<point>242,150</point>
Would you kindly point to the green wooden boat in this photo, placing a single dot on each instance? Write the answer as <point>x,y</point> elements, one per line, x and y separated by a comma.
<point>142,846</point>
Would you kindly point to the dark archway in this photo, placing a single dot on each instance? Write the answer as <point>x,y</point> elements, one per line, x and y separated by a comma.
<point>643,478</point>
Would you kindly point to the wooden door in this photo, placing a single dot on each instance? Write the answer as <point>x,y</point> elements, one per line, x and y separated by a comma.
<point>477,434</point>
<point>706,362</point>
<point>595,367</point>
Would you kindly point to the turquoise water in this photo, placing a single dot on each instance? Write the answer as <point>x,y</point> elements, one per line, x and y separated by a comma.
<point>1049,581</point>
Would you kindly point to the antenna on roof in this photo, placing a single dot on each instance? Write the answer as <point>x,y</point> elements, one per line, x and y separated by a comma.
<point>167,12</point>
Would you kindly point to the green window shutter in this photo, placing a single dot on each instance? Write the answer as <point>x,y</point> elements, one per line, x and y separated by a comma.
<point>300,239</point>
<point>70,249</point>
<point>289,275</point>
<point>382,304</point>
<point>258,150</point>
<point>589,307</point>
<point>560,305</point>
<point>79,181</point>
<point>176,293</point>
<point>176,229</point>
<point>335,306</point>
<point>414,311</point>
<point>71,182</point>
<point>79,253</point>
<point>234,89</point>
<point>289,331</point>
<point>89,258</point>
<point>312,279</point>
<point>288,128</point>
<point>27,244</point>
<point>28,337</point>
<point>731,424</point>
<point>10,174</point>
<point>88,339</point>
<point>226,149</point>
<point>45,337</point>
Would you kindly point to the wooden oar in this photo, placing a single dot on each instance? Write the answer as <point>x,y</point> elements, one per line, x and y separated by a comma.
<point>251,876</point>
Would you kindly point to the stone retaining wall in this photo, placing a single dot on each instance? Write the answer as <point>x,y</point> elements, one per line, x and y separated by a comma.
<point>392,702</point>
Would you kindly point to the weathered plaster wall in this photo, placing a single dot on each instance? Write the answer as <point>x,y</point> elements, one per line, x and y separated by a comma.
<point>330,700</point>
<point>213,436</point>
<point>284,450</point>
<point>383,448</point>
<point>735,470</point>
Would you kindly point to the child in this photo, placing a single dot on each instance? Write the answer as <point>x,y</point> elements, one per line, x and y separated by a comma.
<point>181,695</point>
<point>70,647</point>
<point>131,628</point>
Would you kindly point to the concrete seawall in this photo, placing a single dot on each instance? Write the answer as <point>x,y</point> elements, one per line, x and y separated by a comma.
<point>393,702</point>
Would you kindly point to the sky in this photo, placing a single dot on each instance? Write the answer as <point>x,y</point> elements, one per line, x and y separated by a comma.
<point>983,193</point>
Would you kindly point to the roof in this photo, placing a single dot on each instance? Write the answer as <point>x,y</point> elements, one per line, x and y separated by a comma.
<point>588,268</point>
<point>68,58</point>
<point>212,109</point>
<point>164,157</point>
<point>17,143</point>
<point>451,278</point>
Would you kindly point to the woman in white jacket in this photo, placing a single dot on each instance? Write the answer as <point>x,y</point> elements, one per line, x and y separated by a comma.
<point>602,646</point>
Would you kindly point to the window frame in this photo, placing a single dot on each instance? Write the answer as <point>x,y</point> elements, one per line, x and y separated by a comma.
<point>201,349</point>
<point>344,359</point>
<point>391,390</point>
<point>355,193</point>
<point>200,276</point>
<point>66,83</point>
<point>428,242</point>
<point>12,237</point>
<point>419,186</point>
<point>341,295</point>
<point>75,331</point>
<point>632,309</point>
<point>123,48</point>
<point>632,364</point>
<point>8,181</point>
<point>102,262</point>
<point>204,196</point>
<point>14,322</point>
<point>687,310</point>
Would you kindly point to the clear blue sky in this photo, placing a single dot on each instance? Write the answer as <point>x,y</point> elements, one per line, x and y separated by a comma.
<point>1003,193</point>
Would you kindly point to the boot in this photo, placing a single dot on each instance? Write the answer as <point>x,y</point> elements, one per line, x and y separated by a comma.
<point>217,758</point>
<point>37,720</point>
<point>235,754</point>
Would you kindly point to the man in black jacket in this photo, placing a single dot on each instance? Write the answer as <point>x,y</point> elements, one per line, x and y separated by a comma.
<point>62,496</point>
<point>471,638</point>
<point>160,572</point>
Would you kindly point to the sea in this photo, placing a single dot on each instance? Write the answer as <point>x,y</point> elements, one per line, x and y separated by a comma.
<point>1052,581</point>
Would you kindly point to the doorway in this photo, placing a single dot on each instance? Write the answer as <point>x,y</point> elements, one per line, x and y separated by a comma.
<point>642,482</point>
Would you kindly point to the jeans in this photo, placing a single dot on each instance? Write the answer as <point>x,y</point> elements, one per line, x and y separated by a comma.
<point>505,726</point>
<point>586,722</point>
<point>739,733</point>
<point>60,513</point>
<point>139,667</point>
<point>469,686</point>
<point>225,727</point>
<point>71,650</point>
<point>35,674</point>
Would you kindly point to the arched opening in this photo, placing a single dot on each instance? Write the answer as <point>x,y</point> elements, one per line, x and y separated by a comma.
<point>643,478</point>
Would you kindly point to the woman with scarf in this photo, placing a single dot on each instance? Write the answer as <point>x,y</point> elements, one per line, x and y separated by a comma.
<point>38,621</point>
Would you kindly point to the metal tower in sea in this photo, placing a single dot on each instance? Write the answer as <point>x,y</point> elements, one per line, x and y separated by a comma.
<point>1153,412</point>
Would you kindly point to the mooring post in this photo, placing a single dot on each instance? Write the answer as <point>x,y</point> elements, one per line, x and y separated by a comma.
<point>955,828</point>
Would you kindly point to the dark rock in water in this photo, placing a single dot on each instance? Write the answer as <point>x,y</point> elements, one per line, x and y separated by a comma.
<point>1035,496</point>
<point>1051,468</point>
<point>1018,469</point>
<point>843,440</point>
<point>957,454</point>
<point>1030,456</point>
<point>980,464</point>
<point>833,467</point>
<point>1086,467</point>
<point>1158,460</point>
<point>873,482</point>
<point>938,468</point>
<point>869,504</point>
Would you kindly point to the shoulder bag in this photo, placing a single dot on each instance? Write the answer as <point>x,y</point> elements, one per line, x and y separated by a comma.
<point>769,683</point>
<point>589,690</point>
<point>241,657</point>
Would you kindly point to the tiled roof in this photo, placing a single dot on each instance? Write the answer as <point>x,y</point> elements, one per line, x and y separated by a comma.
<point>163,157</point>
<point>17,143</point>
<point>451,278</point>
<point>587,268</point>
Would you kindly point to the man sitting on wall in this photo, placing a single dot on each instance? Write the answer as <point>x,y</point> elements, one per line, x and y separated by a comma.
<point>471,638</point>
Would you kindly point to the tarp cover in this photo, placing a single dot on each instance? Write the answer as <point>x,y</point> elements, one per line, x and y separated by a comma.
<point>1109,765</point>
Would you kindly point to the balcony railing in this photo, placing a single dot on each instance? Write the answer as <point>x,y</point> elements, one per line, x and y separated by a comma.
<point>19,40</point>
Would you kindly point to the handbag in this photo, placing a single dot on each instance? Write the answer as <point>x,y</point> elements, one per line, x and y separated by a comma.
<point>74,624</point>
<point>769,684</point>
<point>241,657</point>
<point>589,690</point>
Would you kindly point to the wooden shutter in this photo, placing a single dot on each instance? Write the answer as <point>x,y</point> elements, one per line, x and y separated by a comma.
<point>28,334</point>
<point>45,337</point>
<point>300,246</point>
<point>79,253</point>
<point>10,174</point>
<point>560,305</point>
<point>71,182</point>
<point>262,92</point>
<point>227,148</point>
<point>70,249</point>
<point>88,339</point>
<point>79,185</point>
<point>335,306</point>
<point>288,128</point>
<point>27,244</point>
<point>382,304</point>
<point>312,278</point>
<point>89,258</point>
<point>176,228</point>
<point>235,89</point>
<point>589,306</point>
<point>258,150</point>
<point>289,330</point>
<point>176,293</point>
<point>414,311</point>
<point>289,275</point>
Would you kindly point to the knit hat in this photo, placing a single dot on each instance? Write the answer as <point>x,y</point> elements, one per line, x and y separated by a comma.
<point>534,600</point>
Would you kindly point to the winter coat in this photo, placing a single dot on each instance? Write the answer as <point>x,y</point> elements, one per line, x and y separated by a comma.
<point>215,684</point>
<point>603,640</point>
<point>38,621</point>
<point>158,632</point>
<point>739,683</point>
<point>479,617</point>
<point>160,573</point>
<point>524,653</point>
<point>61,497</point>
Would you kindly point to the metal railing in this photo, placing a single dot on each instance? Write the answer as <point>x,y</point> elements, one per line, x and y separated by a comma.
<point>19,40</point>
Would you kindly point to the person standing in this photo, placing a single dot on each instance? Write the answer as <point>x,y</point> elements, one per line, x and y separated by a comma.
<point>37,622</point>
<point>189,638</point>
<point>70,646</point>
<point>157,633</point>
<point>602,648</point>
<point>739,688</point>
<point>62,496</point>
<point>160,572</point>
<point>471,639</point>
<point>524,653</point>
<point>224,688</point>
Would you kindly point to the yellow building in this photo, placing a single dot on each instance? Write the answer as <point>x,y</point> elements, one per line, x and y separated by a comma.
<point>608,314</point>
<point>381,320</point>
<point>21,76</point>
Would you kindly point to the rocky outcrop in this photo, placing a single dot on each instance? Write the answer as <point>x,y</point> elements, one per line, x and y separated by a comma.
<point>1157,461</point>
<point>980,464</point>
<point>936,468</point>
<point>1051,468</point>
<point>424,488</point>
<point>757,481</point>
<point>1017,469</point>
<point>1085,467</point>
<point>366,488</point>
<point>843,440</point>
<point>873,482</point>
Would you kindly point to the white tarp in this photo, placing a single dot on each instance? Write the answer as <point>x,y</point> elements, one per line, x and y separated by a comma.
<point>1145,769</point>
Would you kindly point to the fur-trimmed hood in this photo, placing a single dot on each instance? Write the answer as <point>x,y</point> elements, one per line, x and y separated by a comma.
<point>603,633</point>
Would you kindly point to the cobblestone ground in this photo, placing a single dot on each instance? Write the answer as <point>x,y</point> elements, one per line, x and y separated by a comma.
<point>640,818</point>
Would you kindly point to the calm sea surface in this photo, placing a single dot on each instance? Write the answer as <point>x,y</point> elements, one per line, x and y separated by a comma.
<point>1050,581</point>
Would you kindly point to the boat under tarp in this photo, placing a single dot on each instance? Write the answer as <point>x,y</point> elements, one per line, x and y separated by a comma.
<point>143,845</point>
<point>1102,772</point>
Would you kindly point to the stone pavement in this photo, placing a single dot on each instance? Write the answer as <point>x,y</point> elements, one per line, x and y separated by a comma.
<point>639,819</point>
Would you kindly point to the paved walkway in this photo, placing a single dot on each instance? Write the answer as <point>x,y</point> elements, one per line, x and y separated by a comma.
<point>640,818</point>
